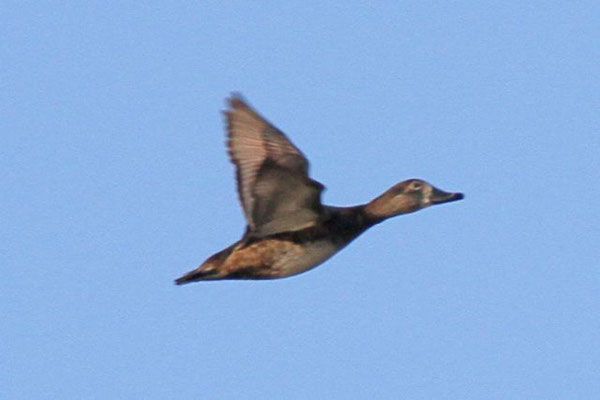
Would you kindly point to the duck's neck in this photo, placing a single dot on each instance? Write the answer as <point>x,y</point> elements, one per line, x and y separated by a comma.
<point>370,217</point>
<point>357,219</point>
<point>386,206</point>
<point>360,216</point>
<point>378,210</point>
<point>347,223</point>
<point>350,221</point>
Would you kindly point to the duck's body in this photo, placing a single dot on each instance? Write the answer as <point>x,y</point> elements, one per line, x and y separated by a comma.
<point>286,253</point>
<point>289,231</point>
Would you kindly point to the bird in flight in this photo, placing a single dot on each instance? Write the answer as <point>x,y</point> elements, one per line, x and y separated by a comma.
<point>289,230</point>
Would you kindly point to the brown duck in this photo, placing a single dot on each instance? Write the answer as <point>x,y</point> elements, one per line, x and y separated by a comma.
<point>289,230</point>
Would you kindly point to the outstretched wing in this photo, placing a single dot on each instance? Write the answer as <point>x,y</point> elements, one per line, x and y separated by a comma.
<point>275,190</point>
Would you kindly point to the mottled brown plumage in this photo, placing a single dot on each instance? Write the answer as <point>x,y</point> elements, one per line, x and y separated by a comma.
<point>289,230</point>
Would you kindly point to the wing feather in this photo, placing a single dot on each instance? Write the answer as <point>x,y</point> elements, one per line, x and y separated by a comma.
<point>275,190</point>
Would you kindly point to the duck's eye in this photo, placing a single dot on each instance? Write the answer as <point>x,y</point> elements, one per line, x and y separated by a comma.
<point>416,186</point>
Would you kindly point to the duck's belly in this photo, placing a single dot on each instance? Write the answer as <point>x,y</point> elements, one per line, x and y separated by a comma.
<point>302,257</point>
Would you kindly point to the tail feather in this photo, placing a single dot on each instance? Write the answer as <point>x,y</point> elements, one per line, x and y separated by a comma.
<point>210,270</point>
<point>200,274</point>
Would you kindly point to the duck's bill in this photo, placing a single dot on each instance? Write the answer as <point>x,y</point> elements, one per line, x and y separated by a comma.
<point>439,196</point>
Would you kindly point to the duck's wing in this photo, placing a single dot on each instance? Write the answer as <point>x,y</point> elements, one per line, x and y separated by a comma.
<point>275,191</point>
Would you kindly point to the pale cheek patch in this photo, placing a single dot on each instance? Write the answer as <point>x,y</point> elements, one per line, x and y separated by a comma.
<point>427,194</point>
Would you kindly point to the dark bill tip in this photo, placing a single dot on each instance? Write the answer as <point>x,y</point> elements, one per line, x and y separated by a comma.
<point>439,197</point>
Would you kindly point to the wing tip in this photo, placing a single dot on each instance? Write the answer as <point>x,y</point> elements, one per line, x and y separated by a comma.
<point>237,100</point>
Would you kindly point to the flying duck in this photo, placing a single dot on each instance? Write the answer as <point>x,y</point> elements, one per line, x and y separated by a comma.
<point>289,230</point>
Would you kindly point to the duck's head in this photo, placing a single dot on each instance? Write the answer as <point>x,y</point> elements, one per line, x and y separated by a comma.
<point>406,197</point>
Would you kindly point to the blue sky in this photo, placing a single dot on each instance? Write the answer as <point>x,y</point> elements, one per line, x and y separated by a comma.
<point>115,181</point>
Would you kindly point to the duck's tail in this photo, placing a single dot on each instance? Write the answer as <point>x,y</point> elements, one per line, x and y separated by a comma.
<point>210,270</point>
<point>200,274</point>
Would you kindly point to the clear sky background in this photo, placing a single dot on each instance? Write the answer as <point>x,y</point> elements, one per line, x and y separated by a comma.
<point>114,181</point>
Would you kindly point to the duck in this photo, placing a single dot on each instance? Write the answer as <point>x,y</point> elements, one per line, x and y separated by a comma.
<point>289,230</point>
